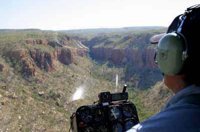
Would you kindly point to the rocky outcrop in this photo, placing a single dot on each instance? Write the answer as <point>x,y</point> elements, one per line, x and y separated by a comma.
<point>30,59</point>
<point>139,58</point>
<point>1,67</point>
<point>44,60</point>
<point>139,66</point>
<point>28,67</point>
<point>27,61</point>
<point>36,41</point>
<point>66,56</point>
<point>123,49</point>
<point>69,55</point>
<point>115,56</point>
<point>131,52</point>
<point>66,51</point>
<point>20,59</point>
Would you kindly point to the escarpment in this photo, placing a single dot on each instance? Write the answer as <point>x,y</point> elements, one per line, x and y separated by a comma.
<point>131,52</point>
<point>29,60</point>
<point>139,58</point>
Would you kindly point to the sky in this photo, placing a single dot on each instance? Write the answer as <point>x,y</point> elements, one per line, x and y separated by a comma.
<point>83,14</point>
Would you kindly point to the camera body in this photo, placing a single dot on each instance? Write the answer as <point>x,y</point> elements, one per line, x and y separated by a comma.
<point>113,113</point>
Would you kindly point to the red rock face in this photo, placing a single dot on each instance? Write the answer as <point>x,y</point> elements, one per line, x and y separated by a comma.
<point>66,56</point>
<point>118,56</point>
<point>47,60</point>
<point>1,67</point>
<point>36,41</point>
<point>28,67</point>
<point>140,58</point>
<point>135,57</point>
<point>20,57</point>
<point>29,60</point>
<point>44,60</point>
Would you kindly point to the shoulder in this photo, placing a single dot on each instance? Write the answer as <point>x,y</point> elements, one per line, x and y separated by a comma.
<point>181,114</point>
<point>182,118</point>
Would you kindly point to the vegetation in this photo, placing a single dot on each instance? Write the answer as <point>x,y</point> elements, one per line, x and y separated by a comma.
<point>43,101</point>
<point>150,101</point>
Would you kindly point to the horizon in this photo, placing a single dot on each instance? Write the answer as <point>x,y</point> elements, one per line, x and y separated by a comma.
<point>83,28</point>
<point>89,14</point>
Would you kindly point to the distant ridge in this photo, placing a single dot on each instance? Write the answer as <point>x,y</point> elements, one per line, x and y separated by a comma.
<point>94,30</point>
<point>28,29</point>
<point>107,30</point>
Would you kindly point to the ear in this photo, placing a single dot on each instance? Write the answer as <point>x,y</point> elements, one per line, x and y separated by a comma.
<point>170,52</point>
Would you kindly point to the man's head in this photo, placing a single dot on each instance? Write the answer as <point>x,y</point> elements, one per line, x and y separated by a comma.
<point>178,51</point>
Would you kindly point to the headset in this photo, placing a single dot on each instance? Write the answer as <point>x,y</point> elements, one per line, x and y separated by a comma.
<point>172,49</point>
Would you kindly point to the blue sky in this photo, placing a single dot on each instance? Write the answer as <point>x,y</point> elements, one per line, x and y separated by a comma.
<point>81,14</point>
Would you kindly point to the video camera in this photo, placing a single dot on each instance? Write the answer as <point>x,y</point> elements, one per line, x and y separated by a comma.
<point>112,113</point>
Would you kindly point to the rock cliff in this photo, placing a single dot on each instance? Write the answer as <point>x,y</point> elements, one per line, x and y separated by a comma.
<point>139,58</point>
<point>1,67</point>
<point>28,60</point>
<point>131,52</point>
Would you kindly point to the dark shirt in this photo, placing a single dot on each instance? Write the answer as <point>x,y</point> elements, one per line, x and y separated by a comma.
<point>181,114</point>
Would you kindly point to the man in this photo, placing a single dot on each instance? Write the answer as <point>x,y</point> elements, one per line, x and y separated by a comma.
<point>178,58</point>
